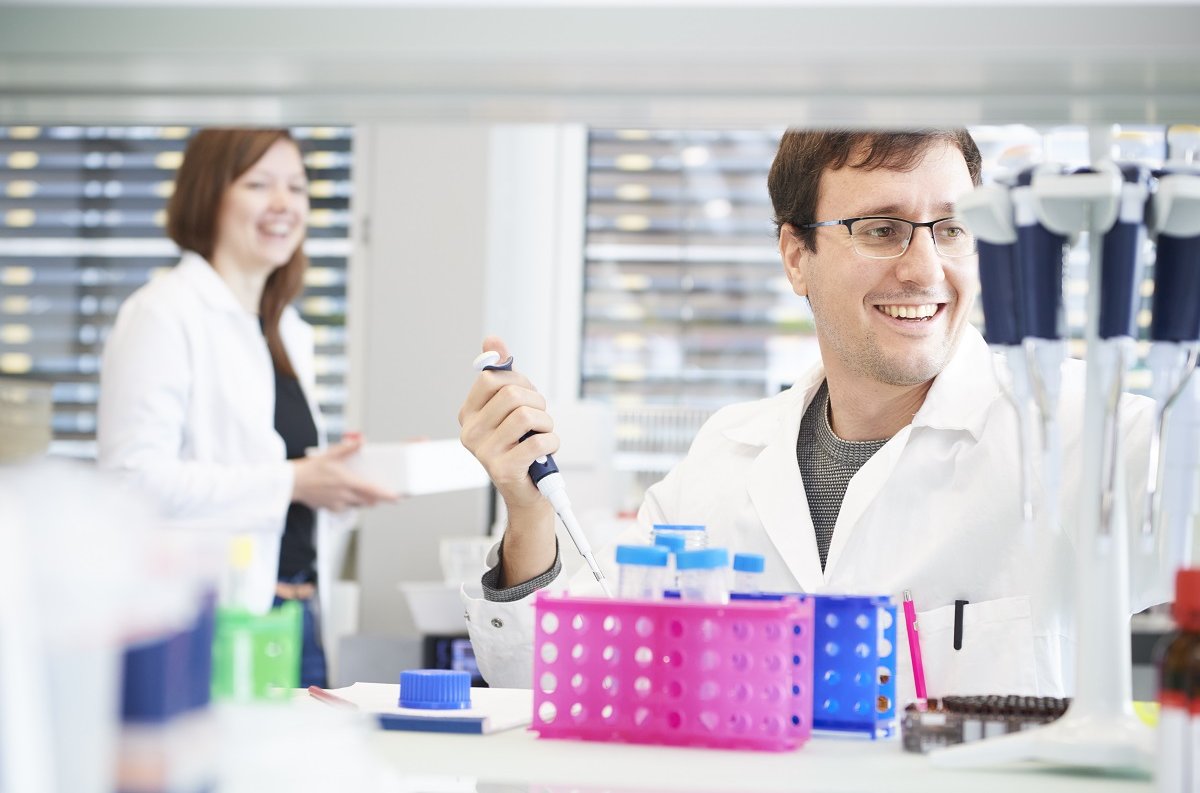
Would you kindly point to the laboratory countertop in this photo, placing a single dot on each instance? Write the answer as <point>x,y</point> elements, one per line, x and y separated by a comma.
<point>516,760</point>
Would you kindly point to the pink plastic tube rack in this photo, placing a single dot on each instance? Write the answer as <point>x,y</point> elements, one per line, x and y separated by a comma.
<point>735,676</point>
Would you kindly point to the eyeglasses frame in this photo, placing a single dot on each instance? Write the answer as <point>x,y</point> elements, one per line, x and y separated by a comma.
<point>913,225</point>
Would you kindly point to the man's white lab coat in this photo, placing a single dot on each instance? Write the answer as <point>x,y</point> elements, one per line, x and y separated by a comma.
<point>187,409</point>
<point>936,511</point>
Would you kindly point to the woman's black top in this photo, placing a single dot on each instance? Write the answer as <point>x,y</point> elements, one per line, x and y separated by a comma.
<point>294,423</point>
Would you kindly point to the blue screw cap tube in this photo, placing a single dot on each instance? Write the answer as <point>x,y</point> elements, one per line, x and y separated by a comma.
<point>693,535</point>
<point>545,475</point>
<point>702,575</point>
<point>435,689</point>
<point>671,542</point>
<point>642,571</point>
<point>674,544</point>
<point>747,572</point>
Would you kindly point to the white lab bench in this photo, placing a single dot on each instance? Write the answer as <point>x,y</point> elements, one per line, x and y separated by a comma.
<point>517,760</point>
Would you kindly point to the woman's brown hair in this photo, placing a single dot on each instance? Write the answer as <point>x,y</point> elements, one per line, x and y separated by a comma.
<point>214,159</point>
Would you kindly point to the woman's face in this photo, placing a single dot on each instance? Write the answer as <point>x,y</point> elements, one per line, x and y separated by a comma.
<point>264,211</point>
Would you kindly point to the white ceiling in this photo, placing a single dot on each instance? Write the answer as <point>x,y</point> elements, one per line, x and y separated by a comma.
<point>703,63</point>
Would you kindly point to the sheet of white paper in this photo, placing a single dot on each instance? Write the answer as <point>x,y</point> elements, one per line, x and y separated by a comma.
<point>492,709</point>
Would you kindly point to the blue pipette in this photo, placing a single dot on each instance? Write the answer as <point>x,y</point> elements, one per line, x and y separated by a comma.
<point>545,474</point>
<point>988,210</point>
<point>1116,328</point>
<point>1040,252</point>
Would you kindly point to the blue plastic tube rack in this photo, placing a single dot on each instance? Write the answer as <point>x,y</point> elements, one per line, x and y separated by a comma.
<point>854,662</point>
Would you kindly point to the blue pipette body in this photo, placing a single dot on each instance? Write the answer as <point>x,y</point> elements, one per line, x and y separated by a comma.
<point>1039,271</point>
<point>1121,257</point>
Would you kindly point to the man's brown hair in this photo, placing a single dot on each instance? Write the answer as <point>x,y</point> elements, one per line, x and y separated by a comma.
<point>214,159</point>
<point>803,156</point>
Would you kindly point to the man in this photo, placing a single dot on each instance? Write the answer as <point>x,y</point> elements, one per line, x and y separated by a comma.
<point>893,465</point>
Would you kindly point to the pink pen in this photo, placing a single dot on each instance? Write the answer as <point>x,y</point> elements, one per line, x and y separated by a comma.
<point>914,649</point>
<point>316,692</point>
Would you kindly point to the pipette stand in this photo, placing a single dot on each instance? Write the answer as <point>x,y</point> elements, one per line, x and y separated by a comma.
<point>1099,730</point>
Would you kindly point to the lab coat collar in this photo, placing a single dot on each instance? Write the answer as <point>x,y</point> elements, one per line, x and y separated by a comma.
<point>765,426</point>
<point>957,400</point>
<point>775,487</point>
<point>207,283</point>
<point>963,393</point>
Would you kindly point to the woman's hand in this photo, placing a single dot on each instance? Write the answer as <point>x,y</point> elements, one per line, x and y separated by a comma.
<point>324,481</point>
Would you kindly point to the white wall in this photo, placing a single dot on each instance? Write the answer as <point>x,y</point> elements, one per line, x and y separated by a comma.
<point>417,306</point>
<point>460,230</point>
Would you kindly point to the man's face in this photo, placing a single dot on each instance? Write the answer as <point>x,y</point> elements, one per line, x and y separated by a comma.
<point>855,300</point>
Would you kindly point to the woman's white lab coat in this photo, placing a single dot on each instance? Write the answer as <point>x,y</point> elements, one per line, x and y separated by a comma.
<point>187,409</point>
<point>936,511</point>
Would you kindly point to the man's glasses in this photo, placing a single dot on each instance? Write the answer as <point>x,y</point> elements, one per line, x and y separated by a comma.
<point>887,238</point>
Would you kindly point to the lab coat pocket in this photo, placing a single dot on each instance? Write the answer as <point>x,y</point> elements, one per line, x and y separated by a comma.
<point>997,650</point>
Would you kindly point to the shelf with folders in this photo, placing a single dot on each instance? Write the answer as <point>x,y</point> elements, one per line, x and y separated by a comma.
<point>685,307</point>
<point>82,211</point>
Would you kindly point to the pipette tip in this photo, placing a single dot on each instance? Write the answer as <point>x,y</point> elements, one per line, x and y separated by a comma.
<point>603,584</point>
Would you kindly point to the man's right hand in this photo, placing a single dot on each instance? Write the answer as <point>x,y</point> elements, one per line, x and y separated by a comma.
<point>500,408</point>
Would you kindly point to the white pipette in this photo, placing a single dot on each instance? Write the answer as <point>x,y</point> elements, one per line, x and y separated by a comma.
<point>545,474</point>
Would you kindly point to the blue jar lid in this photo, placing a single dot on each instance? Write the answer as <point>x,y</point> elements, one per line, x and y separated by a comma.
<point>678,527</point>
<point>702,559</point>
<point>647,555</point>
<point>748,562</point>
<point>672,542</point>
<point>435,689</point>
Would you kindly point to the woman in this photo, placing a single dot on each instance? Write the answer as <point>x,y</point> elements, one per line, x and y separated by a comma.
<point>207,378</point>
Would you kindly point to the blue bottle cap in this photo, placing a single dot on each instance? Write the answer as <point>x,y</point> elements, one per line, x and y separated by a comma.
<point>678,527</point>
<point>702,559</point>
<point>646,555</point>
<point>435,689</point>
<point>748,562</point>
<point>672,542</point>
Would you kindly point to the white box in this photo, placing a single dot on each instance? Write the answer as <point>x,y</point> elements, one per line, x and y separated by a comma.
<point>420,467</point>
<point>436,607</point>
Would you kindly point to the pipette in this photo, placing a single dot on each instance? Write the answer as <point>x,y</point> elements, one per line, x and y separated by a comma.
<point>1118,254</point>
<point>988,210</point>
<point>1175,340</point>
<point>1039,289</point>
<point>545,474</point>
